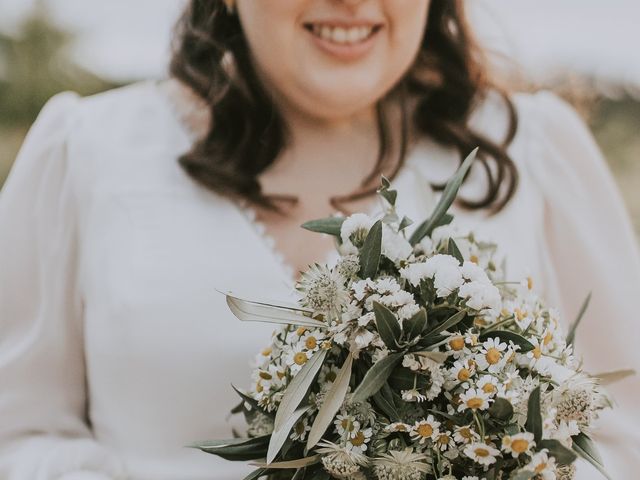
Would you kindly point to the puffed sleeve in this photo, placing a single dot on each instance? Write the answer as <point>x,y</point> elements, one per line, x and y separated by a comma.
<point>44,434</point>
<point>591,247</point>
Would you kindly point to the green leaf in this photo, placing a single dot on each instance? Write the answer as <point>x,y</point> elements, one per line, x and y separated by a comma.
<point>506,336</point>
<point>289,464</point>
<point>388,325</point>
<point>376,377</point>
<point>448,196</point>
<point>415,325</point>
<point>237,449</point>
<point>250,400</point>
<point>448,323</point>
<point>330,225</point>
<point>252,311</point>
<point>280,435</point>
<point>404,223</point>
<point>563,455</point>
<point>387,407</point>
<point>454,251</point>
<point>297,390</point>
<point>534,416</point>
<point>523,475</point>
<point>501,409</point>
<point>332,402</point>
<point>585,447</point>
<point>616,376</point>
<point>255,475</point>
<point>371,251</point>
<point>404,379</point>
<point>574,326</point>
<point>389,195</point>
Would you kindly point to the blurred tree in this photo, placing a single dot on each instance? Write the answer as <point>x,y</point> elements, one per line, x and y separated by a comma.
<point>34,65</point>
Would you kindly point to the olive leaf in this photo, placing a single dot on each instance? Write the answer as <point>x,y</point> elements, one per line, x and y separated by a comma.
<point>388,325</point>
<point>332,403</point>
<point>534,416</point>
<point>574,326</point>
<point>237,449</point>
<point>376,377</point>
<point>253,311</point>
<point>585,447</point>
<point>371,251</point>
<point>448,196</point>
<point>330,225</point>
<point>281,434</point>
<point>506,336</point>
<point>298,388</point>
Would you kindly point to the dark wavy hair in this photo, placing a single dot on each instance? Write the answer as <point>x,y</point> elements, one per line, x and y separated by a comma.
<point>247,133</point>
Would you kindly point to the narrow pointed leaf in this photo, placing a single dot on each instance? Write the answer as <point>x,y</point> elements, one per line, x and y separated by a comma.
<point>388,325</point>
<point>616,376</point>
<point>250,311</point>
<point>534,416</point>
<point>332,403</point>
<point>250,400</point>
<point>330,226</point>
<point>454,251</point>
<point>448,196</point>
<point>404,223</point>
<point>298,387</point>
<point>415,325</point>
<point>280,435</point>
<point>371,251</point>
<point>584,447</point>
<point>289,464</point>
<point>571,336</point>
<point>562,454</point>
<point>506,336</point>
<point>448,323</point>
<point>237,449</point>
<point>376,377</point>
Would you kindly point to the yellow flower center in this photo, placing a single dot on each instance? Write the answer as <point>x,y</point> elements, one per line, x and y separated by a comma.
<point>326,345</point>
<point>489,388</point>
<point>265,375</point>
<point>464,374</point>
<point>520,314</point>
<point>530,283</point>
<point>481,452</point>
<point>474,259</point>
<point>400,428</point>
<point>300,358</point>
<point>259,387</point>
<point>456,344</point>
<point>311,343</point>
<point>280,374</point>
<point>493,356</point>
<point>540,468</point>
<point>520,445</point>
<point>266,352</point>
<point>443,439</point>
<point>358,439</point>
<point>547,338</point>
<point>425,430</point>
<point>465,432</point>
<point>300,428</point>
<point>537,353</point>
<point>347,424</point>
<point>300,331</point>
<point>475,403</point>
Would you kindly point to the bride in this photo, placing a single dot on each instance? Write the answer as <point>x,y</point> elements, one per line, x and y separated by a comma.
<point>125,212</point>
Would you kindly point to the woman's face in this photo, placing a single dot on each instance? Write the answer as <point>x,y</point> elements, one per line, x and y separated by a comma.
<point>331,59</point>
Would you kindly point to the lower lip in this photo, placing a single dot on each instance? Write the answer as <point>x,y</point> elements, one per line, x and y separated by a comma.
<point>345,52</point>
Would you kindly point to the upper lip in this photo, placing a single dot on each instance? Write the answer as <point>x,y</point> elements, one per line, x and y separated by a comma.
<point>337,22</point>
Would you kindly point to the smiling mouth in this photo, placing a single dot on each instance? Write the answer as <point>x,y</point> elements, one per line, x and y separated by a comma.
<point>342,35</point>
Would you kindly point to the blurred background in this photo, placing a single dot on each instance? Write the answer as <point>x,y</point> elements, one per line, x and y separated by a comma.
<point>586,50</point>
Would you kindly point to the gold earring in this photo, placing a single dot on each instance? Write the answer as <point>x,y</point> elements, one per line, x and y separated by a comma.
<point>230,4</point>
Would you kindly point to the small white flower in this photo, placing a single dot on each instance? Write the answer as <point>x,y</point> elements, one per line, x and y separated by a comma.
<point>296,357</point>
<point>358,441</point>
<point>492,355</point>
<point>394,246</point>
<point>465,435</point>
<point>474,399</point>
<point>488,384</point>
<point>543,465</point>
<point>300,430</point>
<point>481,453</point>
<point>518,444</point>
<point>354,231</point>
<point>412,396</point>
<point>424,430</point>
<point>397,427</point>
<point>346,425</point>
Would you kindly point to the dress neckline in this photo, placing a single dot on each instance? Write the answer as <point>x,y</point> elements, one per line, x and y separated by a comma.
<point>197,111</point>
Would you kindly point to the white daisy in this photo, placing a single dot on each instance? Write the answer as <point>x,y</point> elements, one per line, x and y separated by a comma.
<point>359,440</point>
<point>481,453</point>
<point>424,430</point>
<point>518,444</point>
<point>543,465</point>
<point>474,399</point>
<point>465,435</point>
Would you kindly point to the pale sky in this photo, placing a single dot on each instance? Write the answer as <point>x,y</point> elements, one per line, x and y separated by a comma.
<point>128,39</point>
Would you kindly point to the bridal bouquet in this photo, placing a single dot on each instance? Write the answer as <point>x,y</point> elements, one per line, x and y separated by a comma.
<point>413,359</point>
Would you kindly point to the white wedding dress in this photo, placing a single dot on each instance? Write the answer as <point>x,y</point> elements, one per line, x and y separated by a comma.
<point>116,350</point>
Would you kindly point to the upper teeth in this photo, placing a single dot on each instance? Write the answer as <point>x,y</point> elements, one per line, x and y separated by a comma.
<point>342,35</point>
